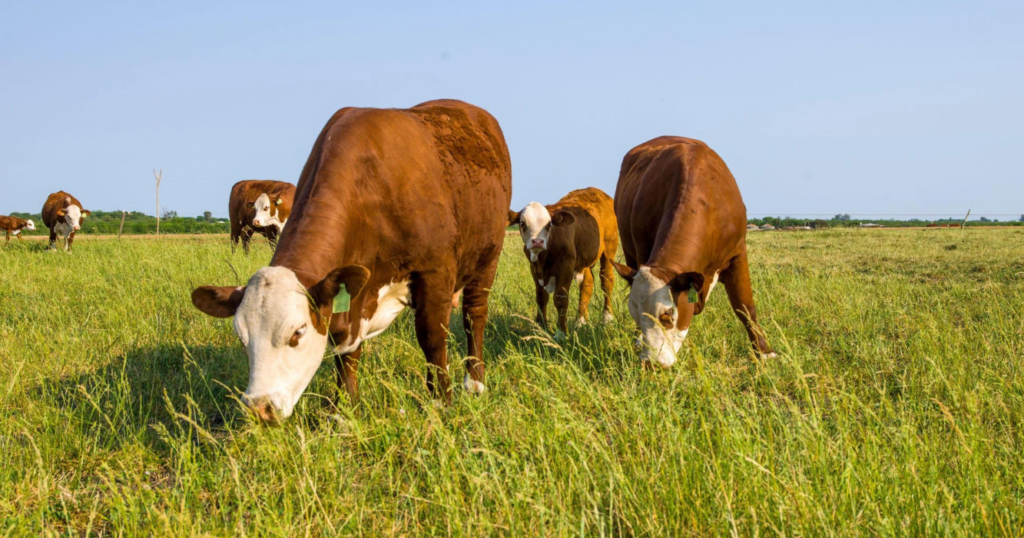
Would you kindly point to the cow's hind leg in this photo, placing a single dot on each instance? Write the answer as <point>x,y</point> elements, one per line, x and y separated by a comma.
<point>474,320</point>
<point>736,279</point>
<point>586,292</point>
<point>607,286</point>
<point>346,366</point>
<point>432,298</point>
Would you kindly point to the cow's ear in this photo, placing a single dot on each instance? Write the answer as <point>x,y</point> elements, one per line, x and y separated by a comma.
<point>562,218</point>
<point>684,281</point>
<point>60,213</point>
<point>513,218</point>
<point>218,301</point>
<point>86,213</point>
<point>625,271</point>
<point>354,277</point>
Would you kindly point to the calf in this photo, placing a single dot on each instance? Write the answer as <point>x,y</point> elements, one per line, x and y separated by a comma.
<point>683,228</point>
<point>63,214</point>
<point>259,206</point>
<point>14,225</point>
<point>563,242</point>
<point>394,208</point>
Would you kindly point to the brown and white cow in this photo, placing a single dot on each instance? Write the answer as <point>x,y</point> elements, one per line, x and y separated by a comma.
<point>562,243</point>
<point>63,214</point>
<point>394,208</point>
<point>683,227</point>
<point>259,206</point>
<point>13,226</point>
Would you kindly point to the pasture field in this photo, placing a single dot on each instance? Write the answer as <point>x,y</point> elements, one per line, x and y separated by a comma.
<point>895,407</point>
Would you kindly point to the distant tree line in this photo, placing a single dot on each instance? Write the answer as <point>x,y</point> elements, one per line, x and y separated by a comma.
<point>137,223</point>
<point>845,221</point>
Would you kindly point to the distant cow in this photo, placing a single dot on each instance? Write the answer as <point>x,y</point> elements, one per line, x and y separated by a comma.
<point>259,206</point>
<point>14,225</point>
<point>394,208</point>
<point>683,227</point>
<point>563,242</point>
<point>63,214</point>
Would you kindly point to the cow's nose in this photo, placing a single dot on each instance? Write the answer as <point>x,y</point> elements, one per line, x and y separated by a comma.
<point>256,222</point>
<point>536,242</point>
<point>264,410</point>
<point>78,228</point>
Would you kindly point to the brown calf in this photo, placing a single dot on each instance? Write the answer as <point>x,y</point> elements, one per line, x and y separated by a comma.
<point>259,206</point>
<point>63,214</point>
<point>563,242</point>
<point>14,225</point>
<point>683,227</point>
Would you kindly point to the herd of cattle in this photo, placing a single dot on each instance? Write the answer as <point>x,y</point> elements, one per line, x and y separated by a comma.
<point>408,207</point>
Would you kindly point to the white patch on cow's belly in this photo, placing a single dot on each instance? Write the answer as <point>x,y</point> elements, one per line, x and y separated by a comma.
<point>551,285</point>
<point>16,232</point>
<point>391,300</point>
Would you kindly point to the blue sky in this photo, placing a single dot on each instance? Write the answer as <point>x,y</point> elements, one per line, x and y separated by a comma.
<point>910,107</point>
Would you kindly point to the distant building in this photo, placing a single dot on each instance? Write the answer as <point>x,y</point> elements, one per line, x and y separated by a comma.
<point>870,225</point>
<point>752,227</point>
<point>767,227</point>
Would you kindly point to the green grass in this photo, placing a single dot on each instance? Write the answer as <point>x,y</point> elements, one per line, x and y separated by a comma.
<point>895,406</point>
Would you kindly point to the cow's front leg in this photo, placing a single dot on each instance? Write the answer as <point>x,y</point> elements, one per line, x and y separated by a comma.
<point>346,366</point>
<point>70,238</point>
<point>52,247</point>
<point>432,298</point>
<point>542,305</point>
<point>561,293</point>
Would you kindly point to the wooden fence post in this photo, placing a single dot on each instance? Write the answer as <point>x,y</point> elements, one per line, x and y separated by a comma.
<point>121,227</point>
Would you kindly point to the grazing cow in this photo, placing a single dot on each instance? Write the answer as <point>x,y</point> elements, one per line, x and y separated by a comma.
<point>563,242</point>
<point>394,208</point>
<point>63,214</point>
<point>14,225</point>
<point>259,206</point>
<point>683,227</point>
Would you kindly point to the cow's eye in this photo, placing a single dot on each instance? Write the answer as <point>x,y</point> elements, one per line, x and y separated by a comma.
<point>294,341</point>
<point>666,318</point>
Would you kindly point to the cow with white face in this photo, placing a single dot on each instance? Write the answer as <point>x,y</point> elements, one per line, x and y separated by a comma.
<point>13,226</point>
<point>63,214</point>
<point>391,211</point>
<point>683,226</point>
<point>259,207</point>
<point>535,224</point>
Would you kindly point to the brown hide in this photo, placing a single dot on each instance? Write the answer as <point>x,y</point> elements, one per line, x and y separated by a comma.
<point>680,211</point>
<point>573,248</point>
<point>415,194</point>
<point>241,210</point>
<point>12,224</point>
<point>55,203</point>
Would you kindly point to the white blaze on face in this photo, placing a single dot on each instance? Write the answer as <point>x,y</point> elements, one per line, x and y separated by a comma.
<point>534,226</point>
<point>70,222</point>
<point>391,300</point>
<point>31,226</point>
<point>649,298</point>
<point>264,217</point>
<point>275,308</point>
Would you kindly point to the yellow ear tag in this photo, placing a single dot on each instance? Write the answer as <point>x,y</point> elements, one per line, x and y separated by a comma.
<point>342,301</point>
<point>278,202</point>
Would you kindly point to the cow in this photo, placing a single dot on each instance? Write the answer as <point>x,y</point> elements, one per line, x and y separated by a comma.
<point>63,214</point>
<point>562,243</point>
<point>259,206</point>
<point>13,226</point>
<point>394,208</point>
<point>683,228</point>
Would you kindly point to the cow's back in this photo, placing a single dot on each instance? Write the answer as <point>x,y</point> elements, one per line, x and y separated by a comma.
<point>677,204</point>
<point>416,185</point>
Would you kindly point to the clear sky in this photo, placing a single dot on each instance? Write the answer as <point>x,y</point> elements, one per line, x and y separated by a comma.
<point>867,107</point>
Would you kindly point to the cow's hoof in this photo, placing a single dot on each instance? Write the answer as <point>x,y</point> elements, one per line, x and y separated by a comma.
<point>473,386</point>
<point>581,321</point>
<point>608,317</point>
<point>560,336</point>
<point>769,355</point>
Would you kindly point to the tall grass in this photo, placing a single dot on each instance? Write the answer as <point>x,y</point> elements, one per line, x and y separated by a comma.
<point>895,406</point>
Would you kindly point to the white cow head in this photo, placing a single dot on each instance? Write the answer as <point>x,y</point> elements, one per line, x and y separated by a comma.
<point>283,327</point>
<point>268,212</point>
<point>535,224</point>
<point>30,226</point>
<point>72,216</point>
<point>655,304</point>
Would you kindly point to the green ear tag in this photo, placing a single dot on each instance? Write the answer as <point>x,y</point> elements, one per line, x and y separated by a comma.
<point>691,296</point>
<point>341,300</point>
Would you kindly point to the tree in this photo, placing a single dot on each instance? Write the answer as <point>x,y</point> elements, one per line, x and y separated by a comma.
<point>169,214</point>
<point>984,219</point>
<point>1022,218</point>
<point>207,216</point>
<point>841,217</point>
